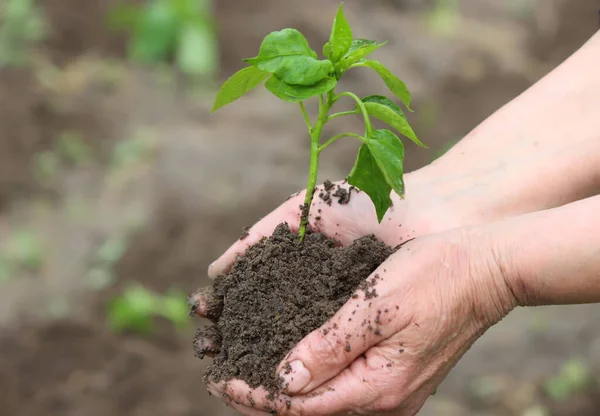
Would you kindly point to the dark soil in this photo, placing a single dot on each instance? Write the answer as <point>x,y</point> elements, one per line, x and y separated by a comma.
<point>330,191</point>
<point>279,292</point>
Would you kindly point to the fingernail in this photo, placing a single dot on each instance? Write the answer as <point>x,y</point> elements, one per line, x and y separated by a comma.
<point>295,377</point>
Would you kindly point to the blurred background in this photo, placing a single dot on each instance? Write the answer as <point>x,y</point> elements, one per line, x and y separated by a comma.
<point>117,188</point>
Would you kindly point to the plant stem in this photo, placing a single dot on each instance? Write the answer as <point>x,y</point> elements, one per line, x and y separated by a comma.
<point>306,117</point>
<point>361,106</point>
<point>344,113</point>
<point>315,137</point>
<point>339,136</point>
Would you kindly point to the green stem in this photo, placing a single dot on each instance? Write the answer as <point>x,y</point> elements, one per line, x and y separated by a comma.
<point>315,137</point>
<point>363,110</point>
<point>306,117</point>
<point>339,136</point>
<point>342,114</point>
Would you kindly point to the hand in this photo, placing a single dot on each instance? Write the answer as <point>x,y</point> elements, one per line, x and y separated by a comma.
<point>436,296</point>
<point>425,211</point>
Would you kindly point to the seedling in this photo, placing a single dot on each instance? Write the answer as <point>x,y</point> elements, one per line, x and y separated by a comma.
<point>135,309</point>
<point>293,72</point>
<point>163,29</point>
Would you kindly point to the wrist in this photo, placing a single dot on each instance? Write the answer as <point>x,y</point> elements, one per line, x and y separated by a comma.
<point>548,257</point>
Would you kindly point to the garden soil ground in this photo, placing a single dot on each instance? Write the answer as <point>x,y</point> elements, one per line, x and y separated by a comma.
<point>206,178</point>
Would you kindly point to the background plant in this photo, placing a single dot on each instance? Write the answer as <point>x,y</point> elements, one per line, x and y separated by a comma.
<point>293,72</point>
<point>136,307</point>
<point>21,25</point>
<point>171,30</point>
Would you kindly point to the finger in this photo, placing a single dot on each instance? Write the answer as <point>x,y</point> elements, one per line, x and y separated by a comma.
<point>364,321</point>
<point>206,303</point>
<point>288,212</point>
<point>353,390</point>
<point>250,410</point>
<point>259,398</point>
<point>207,342</point>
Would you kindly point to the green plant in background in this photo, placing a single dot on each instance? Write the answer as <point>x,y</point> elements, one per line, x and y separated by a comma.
<point>23,250</point>
<point>294,73</point>
<point>135,309</point>
<point>101,272</point>
<point>444,18</point>
<point>73,148</point>
<point>165,30</point>
<point>21,25</point>
<point>574,377</point>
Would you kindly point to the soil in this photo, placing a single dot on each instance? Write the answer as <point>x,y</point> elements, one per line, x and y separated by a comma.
<point>280,291</point>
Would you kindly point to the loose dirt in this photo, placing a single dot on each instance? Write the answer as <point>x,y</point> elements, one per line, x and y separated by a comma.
<point>279,292</point>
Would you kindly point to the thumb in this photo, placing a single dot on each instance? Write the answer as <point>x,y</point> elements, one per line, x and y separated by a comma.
<point>287,212</point>
<point>361,323</point>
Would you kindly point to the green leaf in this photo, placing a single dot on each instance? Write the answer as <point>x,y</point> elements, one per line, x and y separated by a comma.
<point>360,48</point>
<point>340,39</point>
<point>296,69</point>
<point>297,93</point>
<point>239,84</point>
<point>155,33</point>
<point>388,111</point>
<point>327,50</point>
<point>112,250</point>
<point>367,176</point>
<point>395,84</point>
<point>175,308</point>
<point>388,152</point>
<point>286,53</point>
<point>284,42</point>
<point>197,50</point>
<point>133,310</point>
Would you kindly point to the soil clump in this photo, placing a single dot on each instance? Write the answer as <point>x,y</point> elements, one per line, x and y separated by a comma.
<point>279,292</point>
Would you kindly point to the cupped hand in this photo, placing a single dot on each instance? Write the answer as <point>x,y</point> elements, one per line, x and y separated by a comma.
<point>387,354</point>
<point>424,212</point>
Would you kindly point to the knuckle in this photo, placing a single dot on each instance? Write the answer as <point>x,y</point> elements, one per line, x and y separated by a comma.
<point>328,349</point>
<point>387,403</point>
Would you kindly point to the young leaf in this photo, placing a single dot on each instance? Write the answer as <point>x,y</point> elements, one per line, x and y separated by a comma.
<point>340,39</point>
<point>367,177</point>
<point>296,69</point>
<point>287,54</point>
<point>359,44</point>
<point>388,152</point>
<point>239,84</point>
<point>394,83</point>
<point>327,50</point>
<point>297,93</point>
<point>360,48</point>
<point>388,111</point>
<point>284,42</point>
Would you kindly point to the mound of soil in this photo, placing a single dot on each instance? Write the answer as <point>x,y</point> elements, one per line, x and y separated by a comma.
<point>279,292</point>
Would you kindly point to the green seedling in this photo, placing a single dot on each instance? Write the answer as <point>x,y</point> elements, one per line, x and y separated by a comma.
<point>24,250</point>
<point>293,72</point>
<point>182,30</point>
<point>574,377</point>
<point>73,148</point>
<point>46,166</point>
<point>135,309</point>
<point>21,25</point>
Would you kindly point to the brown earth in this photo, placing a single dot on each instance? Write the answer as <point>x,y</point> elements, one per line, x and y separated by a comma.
<point>277,293</point>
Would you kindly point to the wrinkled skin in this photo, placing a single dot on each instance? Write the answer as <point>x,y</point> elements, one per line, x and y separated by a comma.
<point>436,296</point>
